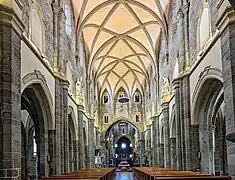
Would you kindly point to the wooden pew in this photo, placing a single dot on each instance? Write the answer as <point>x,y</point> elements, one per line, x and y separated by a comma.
<point>156,173</point>
<point>89,174</point>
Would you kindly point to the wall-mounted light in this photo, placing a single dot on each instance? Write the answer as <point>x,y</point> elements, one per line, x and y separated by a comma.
<point>123,145</point>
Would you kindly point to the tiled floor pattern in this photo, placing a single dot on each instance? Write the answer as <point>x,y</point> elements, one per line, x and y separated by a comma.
<point>124,176</point>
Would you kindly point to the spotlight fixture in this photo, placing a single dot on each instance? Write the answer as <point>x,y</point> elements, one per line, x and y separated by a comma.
<point>123,146</point>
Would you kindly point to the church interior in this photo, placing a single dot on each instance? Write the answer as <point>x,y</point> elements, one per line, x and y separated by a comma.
<point>121,89</point>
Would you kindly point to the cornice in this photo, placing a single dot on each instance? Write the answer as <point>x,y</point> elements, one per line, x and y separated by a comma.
<point>10,18</point>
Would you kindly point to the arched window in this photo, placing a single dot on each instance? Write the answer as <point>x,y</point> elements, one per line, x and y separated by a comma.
<point>204,27</point>
<point>105,97</point>
<point>37,28</point>
<point>68,14</point>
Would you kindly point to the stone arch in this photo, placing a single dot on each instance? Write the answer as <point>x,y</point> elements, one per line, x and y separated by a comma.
<point>207,74</point>
<point>121,136</point>
<point>37,77</point>
<point>119,120</point>
<point>73,122</point>
<point>207,104</point>
<point>34,99</point>
<point>72,140</point>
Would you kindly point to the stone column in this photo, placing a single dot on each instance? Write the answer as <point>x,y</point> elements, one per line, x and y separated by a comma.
<point>142,148</point>
<point>161,158</point>
<point>184,64</point>
<point>59,127</point>
<point>195,147</point>
<point>55,10</point>
<point>76,154</point>
<point>10,101</point>
<point>166,135</point>
<point>66,127</point>
<point>52,152</point>
<point>226,26</point>
<point>157,140</point>
<point>81,138</point>
<point>91,143</point>
<point>173,153</point>
<point>154,150</point>
<point>148,150</point>
<point>176,84</point>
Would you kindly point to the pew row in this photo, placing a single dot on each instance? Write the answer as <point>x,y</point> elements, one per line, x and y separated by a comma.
<point>88,174</point>
<point>156,173</point>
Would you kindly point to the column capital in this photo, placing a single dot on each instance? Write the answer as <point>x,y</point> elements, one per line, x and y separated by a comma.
<point>65,84</point>
<point>185,8</point>
<point>80,107</point>
<point>165,105</point>
<point>92,120</point>
<point>176,83</point>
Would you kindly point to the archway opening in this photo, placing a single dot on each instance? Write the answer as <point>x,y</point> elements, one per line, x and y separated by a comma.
<point>124,154</point>
<point>122,138</point>
<point>209,111</point>
<point>34,125</point>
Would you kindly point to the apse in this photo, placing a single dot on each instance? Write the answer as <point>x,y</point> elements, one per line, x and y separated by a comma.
<point>123,151</point>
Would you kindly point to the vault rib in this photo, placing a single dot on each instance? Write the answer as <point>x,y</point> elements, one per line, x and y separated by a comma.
<point>141,25</point>
<point>114,44</point>
<point>124,60</point>
<point>145,69</point>
<point>111,12</point>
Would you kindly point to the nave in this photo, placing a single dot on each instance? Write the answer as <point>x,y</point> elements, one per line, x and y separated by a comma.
<point>138,173</point>
<point>124,176</point>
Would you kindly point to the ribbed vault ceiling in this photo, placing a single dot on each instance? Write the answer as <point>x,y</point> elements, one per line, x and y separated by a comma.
<point>121,37</point>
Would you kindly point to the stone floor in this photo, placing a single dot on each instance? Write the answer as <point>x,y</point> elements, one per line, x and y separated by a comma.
<point>124,176</point>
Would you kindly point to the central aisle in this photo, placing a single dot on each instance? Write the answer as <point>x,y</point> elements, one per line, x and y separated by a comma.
<point>124,176</point>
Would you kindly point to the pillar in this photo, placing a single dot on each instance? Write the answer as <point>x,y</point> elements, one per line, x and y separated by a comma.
<point>142,148</point>
<point>76,154</point>
<point>66,126</point>
<point>154,150</point>
<point>173,152</point>
<point>176,85</point>
<point>195,148</point>
<point>10,102</point>
<point>148,150</point>
<point>226,26</point>
<point>91,143</point>
<point>166,135</point>
<point>161,158</point>
<point>81,138</point>
<point>59,127</point>
<point>52,152</point>
<point>157,140</point>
